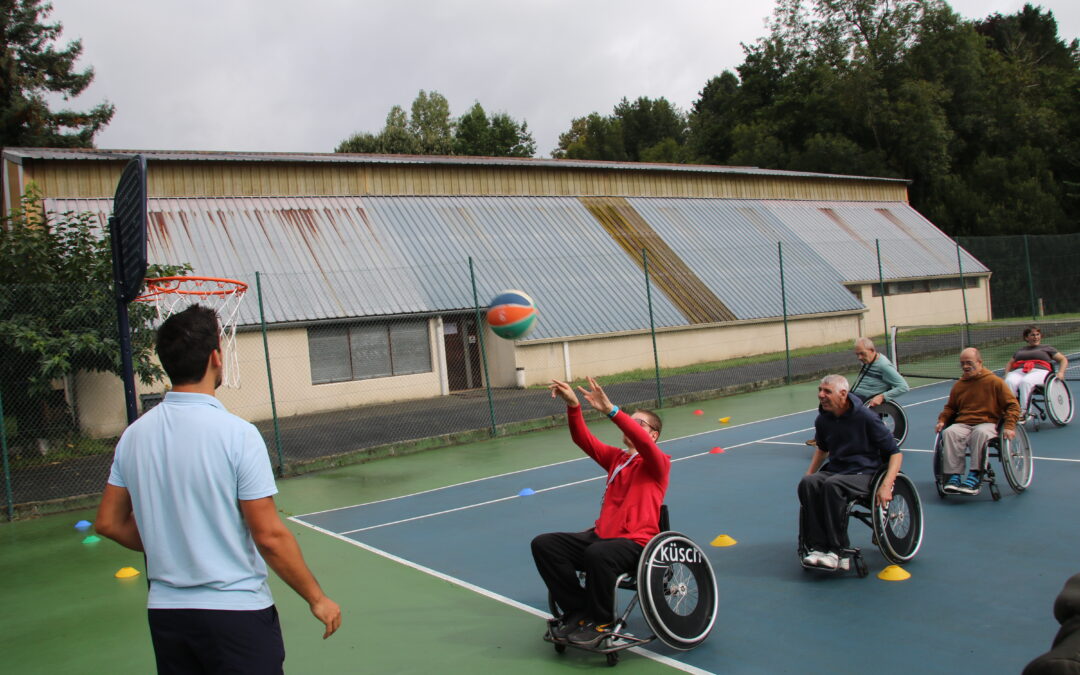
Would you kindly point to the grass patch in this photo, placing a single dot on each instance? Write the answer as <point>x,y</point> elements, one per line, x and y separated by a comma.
<point>30,453</point>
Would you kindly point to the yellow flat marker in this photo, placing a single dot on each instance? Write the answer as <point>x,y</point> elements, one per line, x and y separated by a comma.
<point>894,573</point>
<point>725,420</point>
<point>723,540</point>
<point>126,573</point>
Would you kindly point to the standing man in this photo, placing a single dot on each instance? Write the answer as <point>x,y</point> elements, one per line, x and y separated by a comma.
<point>878,379</point>
<point>978,401</point>
<point>637,479</point>
<point>856,443</point>
<point>191,485</point>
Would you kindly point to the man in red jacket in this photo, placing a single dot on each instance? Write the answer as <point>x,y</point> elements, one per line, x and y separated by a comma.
<point>637,478</point>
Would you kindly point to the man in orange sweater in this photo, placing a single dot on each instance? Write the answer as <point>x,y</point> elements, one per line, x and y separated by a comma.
<point>637,479</point>
<point>977,402</point>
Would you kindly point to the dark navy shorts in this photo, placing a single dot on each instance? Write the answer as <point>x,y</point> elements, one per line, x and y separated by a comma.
<point>217,641</point>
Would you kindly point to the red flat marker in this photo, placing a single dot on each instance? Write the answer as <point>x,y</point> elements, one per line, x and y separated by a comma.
<point>699,412</point>
<point>716,451</point>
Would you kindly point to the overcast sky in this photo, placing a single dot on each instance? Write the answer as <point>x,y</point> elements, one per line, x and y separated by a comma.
<point>269,75</point>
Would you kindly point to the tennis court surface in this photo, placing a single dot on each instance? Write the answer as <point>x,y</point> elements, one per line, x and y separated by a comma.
<point>429,557</point>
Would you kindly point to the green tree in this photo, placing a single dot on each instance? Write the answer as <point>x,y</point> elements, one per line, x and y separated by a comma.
<point>497,136</point>
<point>58,313</point>
<point>33,68</point>
<point>642,130</point>
<point>430,130</point>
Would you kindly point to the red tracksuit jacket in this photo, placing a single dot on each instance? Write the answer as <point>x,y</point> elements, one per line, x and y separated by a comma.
<point>631,508</point>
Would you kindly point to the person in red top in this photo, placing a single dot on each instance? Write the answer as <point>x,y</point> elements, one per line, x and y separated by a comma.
<point>637,479</point>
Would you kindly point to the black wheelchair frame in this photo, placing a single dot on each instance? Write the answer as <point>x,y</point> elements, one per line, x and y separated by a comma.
<point>897,531</point>
<point>675,587</point>
<point>1015,456</point>
<point>1052,401</point>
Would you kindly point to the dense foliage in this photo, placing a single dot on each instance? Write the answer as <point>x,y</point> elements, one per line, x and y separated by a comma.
<point>31,70</point>
<point>429,130</point>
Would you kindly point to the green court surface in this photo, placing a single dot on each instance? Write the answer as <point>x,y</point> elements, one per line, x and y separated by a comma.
<point>66,613</point>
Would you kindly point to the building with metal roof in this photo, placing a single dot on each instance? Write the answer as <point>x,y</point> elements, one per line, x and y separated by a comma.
<point>344,244</point>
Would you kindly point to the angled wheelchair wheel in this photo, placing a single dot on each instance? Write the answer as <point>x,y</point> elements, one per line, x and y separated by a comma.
<point>1059,403</point>
<point>939,460</point>
<point>894,418</point>
<point>898,530</point>
<point>677,590</point>
<point>1016,460</point>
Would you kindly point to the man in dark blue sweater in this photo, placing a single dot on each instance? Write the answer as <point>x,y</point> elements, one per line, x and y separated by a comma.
<point>856,443</point>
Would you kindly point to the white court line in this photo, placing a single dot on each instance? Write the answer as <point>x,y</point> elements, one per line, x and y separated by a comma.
<point>678,665</point>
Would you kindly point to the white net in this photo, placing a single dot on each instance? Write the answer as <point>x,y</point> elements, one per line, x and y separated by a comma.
<point>170,295</point>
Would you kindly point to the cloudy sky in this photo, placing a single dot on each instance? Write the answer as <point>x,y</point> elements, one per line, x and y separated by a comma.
<point>269,75</point>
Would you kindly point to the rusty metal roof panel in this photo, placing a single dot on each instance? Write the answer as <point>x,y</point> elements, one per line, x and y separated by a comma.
<point>733,247</point>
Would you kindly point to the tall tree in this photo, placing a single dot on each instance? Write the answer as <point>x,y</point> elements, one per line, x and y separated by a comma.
<point>642,130</point>
<point>32,67</point>
<point>430,130</point>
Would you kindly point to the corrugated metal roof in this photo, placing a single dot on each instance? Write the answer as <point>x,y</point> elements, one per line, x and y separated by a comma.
<point>18,154</point>
<point>327,258</point>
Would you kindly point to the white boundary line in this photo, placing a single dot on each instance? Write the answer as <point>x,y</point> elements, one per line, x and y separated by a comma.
<point>666,660</point>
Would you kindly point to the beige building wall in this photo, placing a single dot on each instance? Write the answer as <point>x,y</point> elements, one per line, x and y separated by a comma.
<point>925,309</point>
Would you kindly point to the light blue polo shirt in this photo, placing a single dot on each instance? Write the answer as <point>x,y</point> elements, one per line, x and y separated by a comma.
<point>186,463</point>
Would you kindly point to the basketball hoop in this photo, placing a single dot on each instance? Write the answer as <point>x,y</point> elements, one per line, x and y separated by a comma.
<point>170,295</point>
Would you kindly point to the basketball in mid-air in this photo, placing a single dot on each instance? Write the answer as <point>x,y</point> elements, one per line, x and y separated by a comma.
<point>511,314</point>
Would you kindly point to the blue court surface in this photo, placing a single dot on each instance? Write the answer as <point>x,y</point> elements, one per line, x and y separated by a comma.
<point>979,598</point>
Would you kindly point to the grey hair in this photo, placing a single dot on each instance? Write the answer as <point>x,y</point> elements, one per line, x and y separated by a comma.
<point>864,342</point>
<point>836,381</point>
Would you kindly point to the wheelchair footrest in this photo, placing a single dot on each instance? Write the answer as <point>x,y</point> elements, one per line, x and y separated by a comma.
<point>616,641</point>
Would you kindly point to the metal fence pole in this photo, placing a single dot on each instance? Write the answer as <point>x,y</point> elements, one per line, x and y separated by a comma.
<point>7,470</point>
<point>963,292</point>
<point>270,378</point>
<point>881,285</point>
<point>480,339</point>
<point>783,304</point>
<point>652,329</point>
<point>1031,283</point>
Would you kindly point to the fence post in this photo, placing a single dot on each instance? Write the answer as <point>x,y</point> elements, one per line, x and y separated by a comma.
<point>270,378</point>
<point>652,329</point>
<point>7,470</point>
<point>1031,283</point>
<point>881,285</point>
<point>963,293</point>
<point>480,339</point>
<point>783,304</point>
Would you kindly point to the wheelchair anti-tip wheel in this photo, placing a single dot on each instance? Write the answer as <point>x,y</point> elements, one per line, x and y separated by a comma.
<point>894,418</point>
<point>677,590</point>
<point>1016,460</point>
<point>898,529</point>
<point>1058,401</point>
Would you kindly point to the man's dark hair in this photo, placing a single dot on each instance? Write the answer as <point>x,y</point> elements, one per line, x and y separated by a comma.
<point>1031,329</point>
<point>654,420</point>
<point>184,343</point>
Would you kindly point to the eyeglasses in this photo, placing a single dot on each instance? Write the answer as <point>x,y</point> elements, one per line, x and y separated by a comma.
<point>643,423</point>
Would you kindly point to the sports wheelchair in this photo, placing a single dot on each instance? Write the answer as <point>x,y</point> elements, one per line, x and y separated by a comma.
<point>1051,400</point>
<point>897,530</point>
<point>1015,456</point>
<point>894,418</point>
<point>676,588</point>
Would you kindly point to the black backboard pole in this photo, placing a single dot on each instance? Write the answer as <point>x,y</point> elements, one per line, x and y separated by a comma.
<point>127,231</point>
<point>123,326</point>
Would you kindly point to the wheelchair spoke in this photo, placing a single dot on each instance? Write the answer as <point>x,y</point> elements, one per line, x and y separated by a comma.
<point>898,517</point>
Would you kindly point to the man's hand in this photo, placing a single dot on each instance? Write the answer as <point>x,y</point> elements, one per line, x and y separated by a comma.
<point>1061,374</point>
<point>327,611</point>
<point>1009,434</point>
<point>597,398</point>
<point>565,392</point>
<point>884,494</point>
<point>876,400</point>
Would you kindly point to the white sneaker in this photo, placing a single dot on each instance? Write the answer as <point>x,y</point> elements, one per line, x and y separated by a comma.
<point>829,561</point>
<point>845,564</point>
<point>813,558</point>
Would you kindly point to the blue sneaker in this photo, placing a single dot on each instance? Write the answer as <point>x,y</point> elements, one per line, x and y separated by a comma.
<point>952,485</point>
<point>971,485</point>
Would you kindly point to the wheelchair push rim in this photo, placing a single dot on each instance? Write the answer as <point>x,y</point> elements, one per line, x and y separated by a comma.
<point>677,590</point>
<point>899,528</point>
<point>894,418</point>
<point>1059,403</point>
<point>1016,460</point>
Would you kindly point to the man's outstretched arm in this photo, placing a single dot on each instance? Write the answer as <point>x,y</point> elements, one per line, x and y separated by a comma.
<point>279,548</point>
<point>116,518</point>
